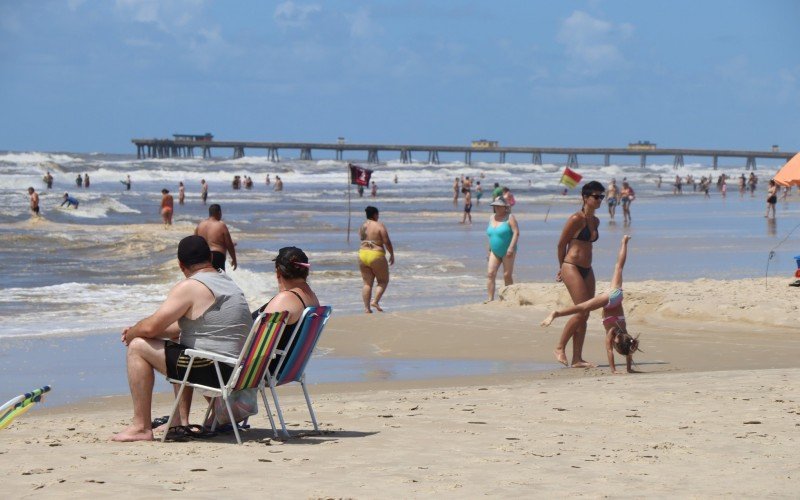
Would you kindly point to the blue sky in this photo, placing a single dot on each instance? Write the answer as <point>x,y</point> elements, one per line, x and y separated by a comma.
<point>89,75</point>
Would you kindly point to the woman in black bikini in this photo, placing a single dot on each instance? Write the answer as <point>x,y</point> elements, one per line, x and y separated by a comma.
<point>294,294</point>
<point>575,261</point>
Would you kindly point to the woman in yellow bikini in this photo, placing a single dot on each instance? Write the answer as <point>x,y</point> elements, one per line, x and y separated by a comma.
<point>372,262</point>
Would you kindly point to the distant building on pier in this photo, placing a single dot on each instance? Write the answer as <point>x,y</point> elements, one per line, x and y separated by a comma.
<point>191,137</point>
<point>484,144</point>
<point>775,148</point>
<point>642,146</point>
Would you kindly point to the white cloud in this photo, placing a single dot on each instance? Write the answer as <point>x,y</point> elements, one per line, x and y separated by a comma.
<point>168,17</point>
<point>591,43</point>
<point>74,5</point>
<point>290,14</point>
<point>362,25</point>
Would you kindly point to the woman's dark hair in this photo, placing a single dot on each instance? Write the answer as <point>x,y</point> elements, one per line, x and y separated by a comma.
<point>292,263</point>
<point>371,211</point>
<point>592,187</point>
<point>625,344</point>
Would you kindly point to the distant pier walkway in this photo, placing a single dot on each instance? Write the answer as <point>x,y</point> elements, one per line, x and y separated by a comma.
<point>185,148</point>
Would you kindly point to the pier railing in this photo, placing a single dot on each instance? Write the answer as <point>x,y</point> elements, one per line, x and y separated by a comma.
<point>170,148</point>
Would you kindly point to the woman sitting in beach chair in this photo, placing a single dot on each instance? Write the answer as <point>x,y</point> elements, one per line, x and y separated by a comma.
<point>617,337</point>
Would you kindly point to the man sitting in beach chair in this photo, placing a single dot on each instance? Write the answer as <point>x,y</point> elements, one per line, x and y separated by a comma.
<point>209,312</point>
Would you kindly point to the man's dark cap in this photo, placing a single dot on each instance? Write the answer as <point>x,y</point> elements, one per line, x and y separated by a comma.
<point>193,250</point>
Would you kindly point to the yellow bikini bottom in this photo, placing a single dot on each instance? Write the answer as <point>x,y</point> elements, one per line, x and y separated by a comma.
<point>367,255</point>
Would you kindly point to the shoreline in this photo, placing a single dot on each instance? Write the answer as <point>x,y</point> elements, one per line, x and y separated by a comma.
<point>480,342</point>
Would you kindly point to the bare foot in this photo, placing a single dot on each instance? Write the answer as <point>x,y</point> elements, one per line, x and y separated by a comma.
<point>560,356</point>
<point>376,306</point>
<point>583,364</point>
<point>549,319</point>
<point>133,434</point>
<point>368,311</point>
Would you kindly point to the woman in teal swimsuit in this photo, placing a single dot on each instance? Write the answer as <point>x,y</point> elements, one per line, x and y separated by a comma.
<point>575,270</point>
<point>503,233</point>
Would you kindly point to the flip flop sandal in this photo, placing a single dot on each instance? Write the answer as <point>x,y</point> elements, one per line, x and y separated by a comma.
<point>177,434</point>
<point>158,422</point>
<point>195,431</point>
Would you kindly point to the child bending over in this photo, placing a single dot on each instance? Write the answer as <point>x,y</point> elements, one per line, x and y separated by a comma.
<point>617,336</point>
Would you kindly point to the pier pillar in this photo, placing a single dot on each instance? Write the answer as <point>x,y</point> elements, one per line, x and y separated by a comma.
<point>339,154</point>
<point>607,160</point>
<point>238,152</point>
<point>305,154</point>
<point>372,156</point>
<point>642,161</point>
<point>572,160</point>
<point>433,157</point>
<point>678,162</point>
<point>503,157</point>
<point>405,156</point>
<point>206,152</point>
<point>537,158</point>
<point>714,163</point>
<point>272,154</point>
<point>468,157</point>
<point>751,163</point>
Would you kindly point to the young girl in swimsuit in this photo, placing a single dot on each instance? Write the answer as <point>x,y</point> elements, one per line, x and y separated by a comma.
<point>575,261</point>
<point>617,336</point>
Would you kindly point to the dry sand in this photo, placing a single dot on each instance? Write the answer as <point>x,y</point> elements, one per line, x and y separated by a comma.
<point>717,412</point>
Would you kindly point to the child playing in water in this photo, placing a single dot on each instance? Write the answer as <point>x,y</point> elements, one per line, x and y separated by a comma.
<point>617,337</point>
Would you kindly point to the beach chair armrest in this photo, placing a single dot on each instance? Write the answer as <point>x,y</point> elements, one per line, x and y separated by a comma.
<point>213,356</point>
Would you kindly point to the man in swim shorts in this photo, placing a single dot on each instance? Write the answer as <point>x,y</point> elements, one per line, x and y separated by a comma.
<point>612,195</point>
<point>207,311</point>
<point>167,206</point>
<point>218,237</point>
<point>203,190</point>
<point>34,201</point>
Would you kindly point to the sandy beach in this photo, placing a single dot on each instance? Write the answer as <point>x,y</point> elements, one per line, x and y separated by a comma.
<point>716,412</point>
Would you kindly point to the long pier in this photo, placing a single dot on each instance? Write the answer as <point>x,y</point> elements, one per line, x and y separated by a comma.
<point>171,148</point>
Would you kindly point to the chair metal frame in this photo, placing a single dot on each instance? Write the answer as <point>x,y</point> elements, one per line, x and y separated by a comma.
<point>241,366</point>
<point>294,358</point>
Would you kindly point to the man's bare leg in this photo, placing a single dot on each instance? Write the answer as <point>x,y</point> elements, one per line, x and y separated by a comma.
<point>143,356</point>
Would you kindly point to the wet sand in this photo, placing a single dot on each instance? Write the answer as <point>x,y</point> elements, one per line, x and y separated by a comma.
<point>715,413</point>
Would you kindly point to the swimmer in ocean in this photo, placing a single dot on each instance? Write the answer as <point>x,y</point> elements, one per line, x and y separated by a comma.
<point>167,207</point>
<point>34,201</point>
<point>69,201</point>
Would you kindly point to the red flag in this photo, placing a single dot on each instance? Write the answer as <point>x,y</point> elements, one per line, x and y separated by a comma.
<point>359,175</point>
<point>570,177</point>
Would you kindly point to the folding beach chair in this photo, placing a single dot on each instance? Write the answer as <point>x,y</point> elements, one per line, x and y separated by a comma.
<point>292,360</point>
<point>248,370</point>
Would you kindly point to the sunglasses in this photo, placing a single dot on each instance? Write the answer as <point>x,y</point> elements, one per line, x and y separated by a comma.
<point>597,196</point>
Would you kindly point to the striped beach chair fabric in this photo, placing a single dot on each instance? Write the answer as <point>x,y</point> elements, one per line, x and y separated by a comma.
<point>249,369</point>
<point>293,359</point>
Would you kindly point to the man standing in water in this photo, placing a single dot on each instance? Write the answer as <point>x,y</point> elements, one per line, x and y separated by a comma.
<point>167,206</point>
<point>612,196</point>
<point>209,312</point>
<point>216,233</point>
<point>203,190</point>
<point>372,259</point>
<point>34,201</point>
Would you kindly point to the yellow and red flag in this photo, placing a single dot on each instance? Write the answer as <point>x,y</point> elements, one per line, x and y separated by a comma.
<point>570,178</point>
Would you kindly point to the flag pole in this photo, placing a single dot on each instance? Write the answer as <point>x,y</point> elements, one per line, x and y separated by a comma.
<point>349,181</point>
<point>549,206</point>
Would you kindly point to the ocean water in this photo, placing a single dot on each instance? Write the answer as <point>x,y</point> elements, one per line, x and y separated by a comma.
<point>97,269</point>
<point>74,279</point>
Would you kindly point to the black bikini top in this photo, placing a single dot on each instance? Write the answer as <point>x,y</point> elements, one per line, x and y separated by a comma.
<point>586,234</point>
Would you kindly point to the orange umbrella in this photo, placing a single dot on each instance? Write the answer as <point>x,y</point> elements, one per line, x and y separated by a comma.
<point>789,174</point>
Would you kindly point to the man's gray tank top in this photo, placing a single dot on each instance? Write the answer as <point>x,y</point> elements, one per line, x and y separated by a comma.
<point>225,325</point>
